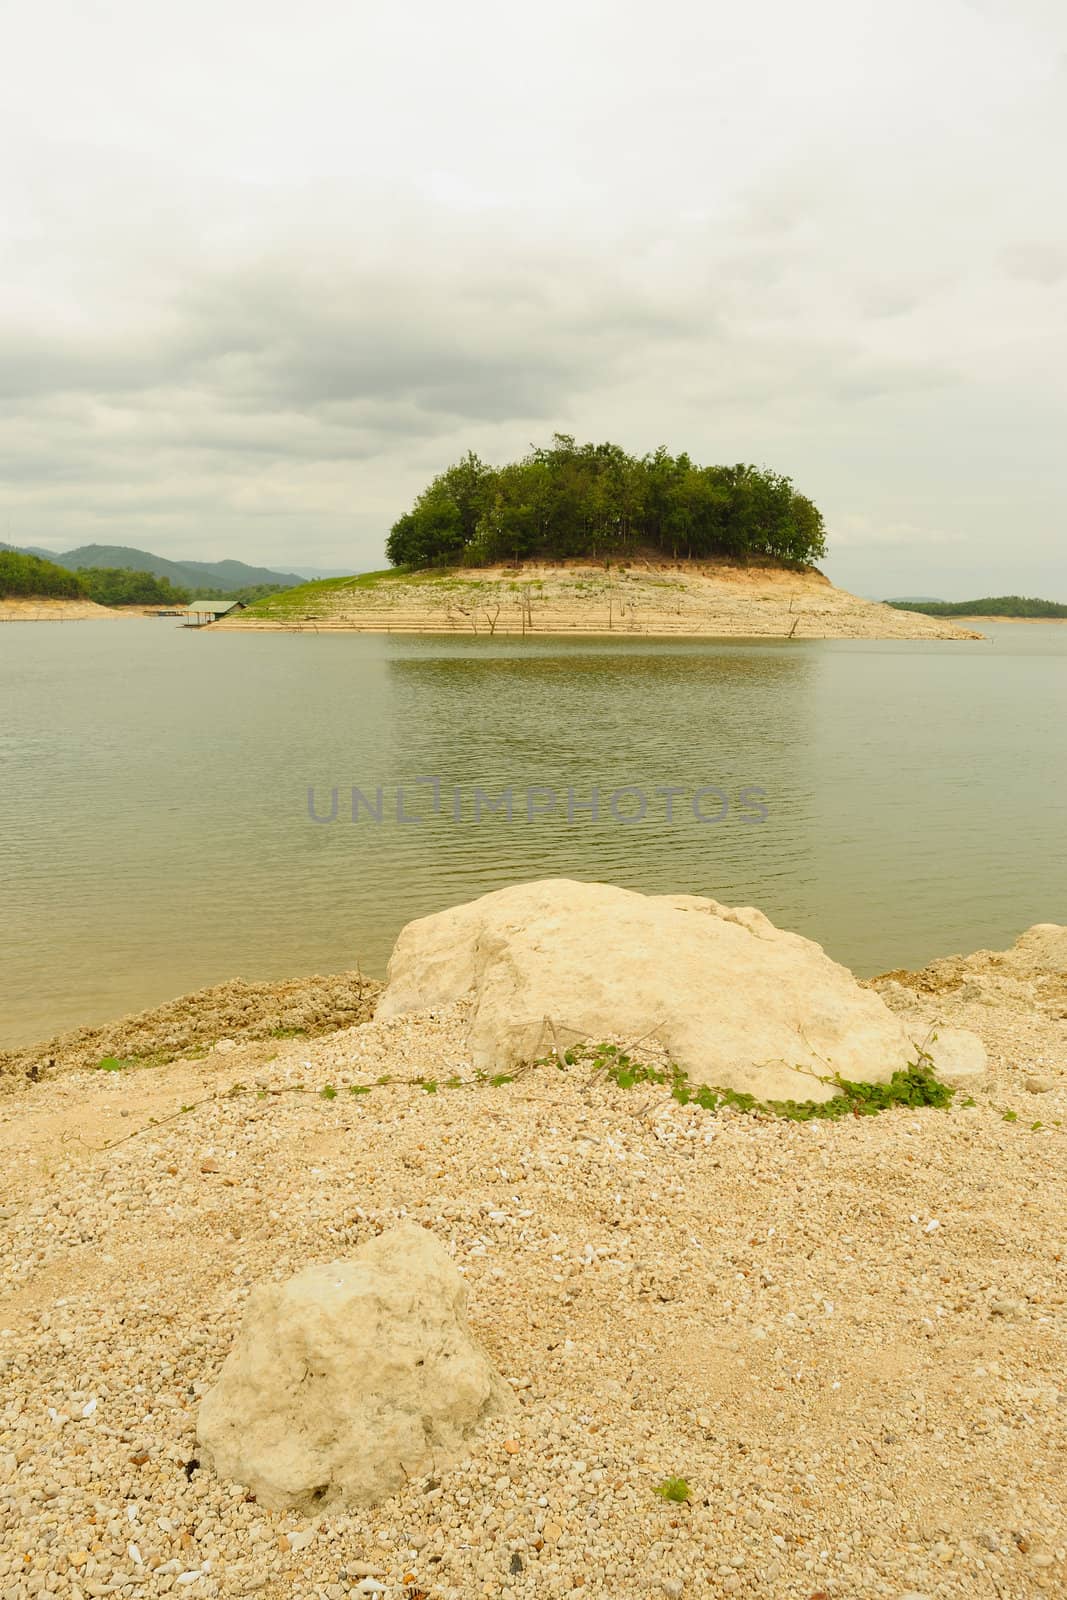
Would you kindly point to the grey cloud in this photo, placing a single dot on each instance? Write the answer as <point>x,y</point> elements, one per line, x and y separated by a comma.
<point>776,235</point>
<point>477,355</point>
<point>270,339</point>
<point>38,364</point>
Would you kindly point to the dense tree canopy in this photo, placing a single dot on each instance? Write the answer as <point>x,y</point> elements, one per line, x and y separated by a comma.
<point>117,586</point>
<point>29,575</point>
<point>594,500</point>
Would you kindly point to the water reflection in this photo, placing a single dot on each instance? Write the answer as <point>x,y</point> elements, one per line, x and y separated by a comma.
<point>154,833</point>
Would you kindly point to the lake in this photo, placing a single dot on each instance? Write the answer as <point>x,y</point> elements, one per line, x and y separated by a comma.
<point>155,832</point>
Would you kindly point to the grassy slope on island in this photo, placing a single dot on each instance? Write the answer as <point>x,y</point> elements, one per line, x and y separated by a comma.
<point>316,596</point>
<point>649,595</point>
<point>1005,605</point>
<point>322,596</point>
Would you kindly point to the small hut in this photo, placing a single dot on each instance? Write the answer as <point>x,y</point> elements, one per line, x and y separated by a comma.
<point>202,612</point>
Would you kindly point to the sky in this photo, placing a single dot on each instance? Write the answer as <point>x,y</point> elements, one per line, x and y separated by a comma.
<point>265,269</point>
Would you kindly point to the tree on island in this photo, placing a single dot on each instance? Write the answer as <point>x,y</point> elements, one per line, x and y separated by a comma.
<point>594,500</point>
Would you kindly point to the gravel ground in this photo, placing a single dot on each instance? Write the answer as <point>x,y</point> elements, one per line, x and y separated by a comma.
<point>192,1024</point>
<point>848,1338</point>
<point>657,598</point>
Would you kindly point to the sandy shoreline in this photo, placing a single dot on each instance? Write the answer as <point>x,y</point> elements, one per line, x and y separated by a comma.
<point>40,609</point>
<point>848,1338</point>
<point>656,600</point>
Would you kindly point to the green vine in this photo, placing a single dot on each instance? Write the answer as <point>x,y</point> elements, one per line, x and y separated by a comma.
<point>914,1086</point>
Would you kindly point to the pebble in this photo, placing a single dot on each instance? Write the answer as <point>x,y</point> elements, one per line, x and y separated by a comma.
<point>1006,1308</point>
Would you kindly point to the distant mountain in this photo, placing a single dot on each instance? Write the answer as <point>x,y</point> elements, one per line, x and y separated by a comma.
<point>31,550</point>
<point>1000,605</point>
<point>914,600</point>
<point>226,575</point>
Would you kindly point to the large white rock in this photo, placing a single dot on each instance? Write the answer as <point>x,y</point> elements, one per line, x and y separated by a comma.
<point>350,1377</point>
<point>736,1001</point>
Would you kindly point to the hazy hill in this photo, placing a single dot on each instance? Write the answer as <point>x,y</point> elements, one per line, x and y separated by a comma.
<point>227,575</point>
<point>1002,605</point>
<point>30,550</point>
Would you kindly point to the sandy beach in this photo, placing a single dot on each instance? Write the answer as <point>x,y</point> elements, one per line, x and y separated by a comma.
<point>39,608</point>
<point>847,1338</point>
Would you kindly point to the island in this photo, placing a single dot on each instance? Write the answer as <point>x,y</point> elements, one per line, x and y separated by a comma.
<point>587,539</point>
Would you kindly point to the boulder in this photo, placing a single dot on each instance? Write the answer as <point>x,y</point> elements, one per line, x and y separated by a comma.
<point>737,1002</point>
<point>351,1377</point>
<point>959,1056</point>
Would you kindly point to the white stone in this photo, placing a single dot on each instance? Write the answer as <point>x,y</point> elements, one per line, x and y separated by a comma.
<point>957,1054</point>
<point>350,1378</point>
<point>737,1002</point>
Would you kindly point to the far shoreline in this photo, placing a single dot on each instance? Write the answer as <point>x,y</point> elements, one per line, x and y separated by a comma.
<point>988,620</point>
<point>682,635</point>
<point>645,598</point>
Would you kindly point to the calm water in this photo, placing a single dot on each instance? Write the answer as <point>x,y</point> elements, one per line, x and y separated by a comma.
<point>155,836</point>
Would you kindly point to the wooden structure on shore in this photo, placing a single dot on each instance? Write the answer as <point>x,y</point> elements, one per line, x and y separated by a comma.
<point>202,612</point>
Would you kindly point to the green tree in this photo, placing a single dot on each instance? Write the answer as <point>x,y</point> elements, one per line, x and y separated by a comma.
<point>118,586</point>
<point>567,499</point>
<point>25,575</point>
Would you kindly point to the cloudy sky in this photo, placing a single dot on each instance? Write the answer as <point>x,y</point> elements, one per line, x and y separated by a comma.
<point>266,267</point>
